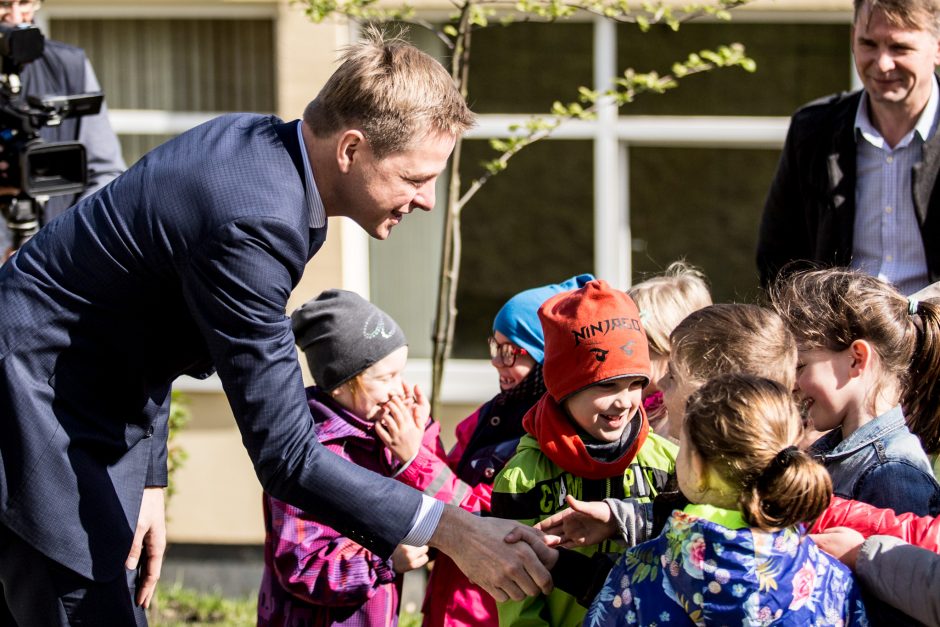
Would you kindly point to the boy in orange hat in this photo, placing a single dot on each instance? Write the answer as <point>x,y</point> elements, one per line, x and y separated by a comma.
<point>588,436</point>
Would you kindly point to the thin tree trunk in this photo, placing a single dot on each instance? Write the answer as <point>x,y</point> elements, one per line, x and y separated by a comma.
<point>446,316</point>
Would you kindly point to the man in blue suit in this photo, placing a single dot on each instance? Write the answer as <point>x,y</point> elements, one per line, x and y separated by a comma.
<point>184,264</point>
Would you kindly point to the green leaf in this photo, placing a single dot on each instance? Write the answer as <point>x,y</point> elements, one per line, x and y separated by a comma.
<point>587,95</point>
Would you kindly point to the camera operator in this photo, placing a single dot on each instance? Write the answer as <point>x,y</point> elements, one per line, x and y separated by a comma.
<point>65,70</point>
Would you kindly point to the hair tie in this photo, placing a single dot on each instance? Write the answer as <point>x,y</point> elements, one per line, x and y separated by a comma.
<point>912,305</point>
<point>783,458</point>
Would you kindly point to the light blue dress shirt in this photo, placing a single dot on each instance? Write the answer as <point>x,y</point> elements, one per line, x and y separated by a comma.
<point>886,239</point>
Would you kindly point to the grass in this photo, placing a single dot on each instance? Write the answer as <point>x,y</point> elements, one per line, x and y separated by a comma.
<point>174,606</point>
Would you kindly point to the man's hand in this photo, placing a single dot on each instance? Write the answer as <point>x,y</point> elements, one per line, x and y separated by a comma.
<point>407,557</point>
<point>506,571</point>
<point>840,542</point>
<point>583,523</point>
<point>149,544</point>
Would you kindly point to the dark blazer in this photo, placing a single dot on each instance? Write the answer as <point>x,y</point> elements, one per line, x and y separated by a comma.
<point>183,263</point>
<point>809,214</point>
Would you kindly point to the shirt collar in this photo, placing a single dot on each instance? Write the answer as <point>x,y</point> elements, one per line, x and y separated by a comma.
<point>732,519</point>
<point>315,206</point>
<point>924,128</point>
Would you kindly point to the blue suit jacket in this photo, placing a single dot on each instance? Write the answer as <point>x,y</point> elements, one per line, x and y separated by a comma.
<point>183,263</point>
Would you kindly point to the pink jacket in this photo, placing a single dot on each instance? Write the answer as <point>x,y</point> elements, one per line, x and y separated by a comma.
<point>431,473</point>
<point>315,575</point>
<point>451,599</point>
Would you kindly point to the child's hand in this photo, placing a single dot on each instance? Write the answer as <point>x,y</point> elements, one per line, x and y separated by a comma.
<point>397,429</point>
<point>549,559</point>
<point>406,557</point>
<point>584,523</point>
<point>840,542</point>
<point>421,406</point>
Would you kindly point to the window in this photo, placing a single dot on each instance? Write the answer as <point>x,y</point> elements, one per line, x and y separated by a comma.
<point>175,66</point>
<point>796,63</point>
<point>703,204</point>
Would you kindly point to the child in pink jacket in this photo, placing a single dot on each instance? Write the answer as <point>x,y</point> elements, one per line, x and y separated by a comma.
<point>363,411</point>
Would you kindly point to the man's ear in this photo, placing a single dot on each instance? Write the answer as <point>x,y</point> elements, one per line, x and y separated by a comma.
<point>347,149</point>
<point>861,354</point>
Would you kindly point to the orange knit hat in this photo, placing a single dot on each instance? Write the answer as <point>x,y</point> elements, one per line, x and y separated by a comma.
<point>591,334</point>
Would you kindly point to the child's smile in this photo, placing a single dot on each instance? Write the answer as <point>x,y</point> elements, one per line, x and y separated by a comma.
<point>604,409</point>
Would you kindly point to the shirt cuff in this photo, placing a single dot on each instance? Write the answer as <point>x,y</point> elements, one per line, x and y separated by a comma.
<point>425,524</point>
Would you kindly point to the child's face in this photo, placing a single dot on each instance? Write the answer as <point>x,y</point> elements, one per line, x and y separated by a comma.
<point>511,376</point>
<point>376,385</point>
<point>604,409</point>
<point>823,385</point>
<point>676,392</point>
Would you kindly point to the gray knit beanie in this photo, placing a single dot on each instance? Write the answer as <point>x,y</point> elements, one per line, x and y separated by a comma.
<point>342,334</point>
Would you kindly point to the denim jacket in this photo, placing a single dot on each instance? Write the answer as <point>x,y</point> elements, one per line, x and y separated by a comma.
<point>883,464</point>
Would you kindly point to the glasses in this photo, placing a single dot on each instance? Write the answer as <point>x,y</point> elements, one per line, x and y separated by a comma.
<point>504,354</point>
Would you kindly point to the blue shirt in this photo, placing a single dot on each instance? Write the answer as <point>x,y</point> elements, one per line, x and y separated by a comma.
<point>886,239</point>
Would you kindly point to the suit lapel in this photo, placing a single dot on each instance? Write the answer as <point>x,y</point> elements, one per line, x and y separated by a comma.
<point>924,175</point>
<point>841,173</point>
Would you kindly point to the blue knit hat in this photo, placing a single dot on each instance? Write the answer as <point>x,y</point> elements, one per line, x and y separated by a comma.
<point>519,321</point>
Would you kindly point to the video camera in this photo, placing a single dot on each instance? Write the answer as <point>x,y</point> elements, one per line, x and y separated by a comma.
<point>38,168</point>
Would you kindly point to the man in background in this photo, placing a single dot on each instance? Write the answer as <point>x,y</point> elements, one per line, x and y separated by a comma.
<point>64,70</point>
<point>856,182</point>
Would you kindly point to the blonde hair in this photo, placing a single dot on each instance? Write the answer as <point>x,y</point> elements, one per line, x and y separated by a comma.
<point>744,428</point>
<point>830,309</point>
<point>666,299</point>
<point>393,92</point>
<point>728,338</point>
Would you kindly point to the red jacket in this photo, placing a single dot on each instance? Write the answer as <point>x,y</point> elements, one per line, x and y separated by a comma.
<point>922,531</point>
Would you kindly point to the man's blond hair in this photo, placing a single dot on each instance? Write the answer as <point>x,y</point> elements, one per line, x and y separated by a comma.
<point>391,91</point>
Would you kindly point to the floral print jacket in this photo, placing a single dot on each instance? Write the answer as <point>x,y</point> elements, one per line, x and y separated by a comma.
<point>709,568</point>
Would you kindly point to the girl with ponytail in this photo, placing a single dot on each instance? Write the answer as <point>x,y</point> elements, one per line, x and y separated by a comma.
<point>737,553</point>
<point>868,369</point>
